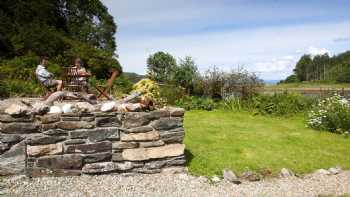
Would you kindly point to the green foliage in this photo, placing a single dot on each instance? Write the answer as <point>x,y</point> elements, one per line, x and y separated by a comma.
<point>290,79</point>
<point>98,61</point>
<point>185,74</point>
<point>160,66</point>
<point>43,26</point>
<point>62,30</point>
<point>20,88</point>
<point>323,68</point>
<point>90,22</point>
<point>149,90</point>
<point>120,87</point>
<point>302,66</point>
<point>284,104</point>
<point>331,114</point>
<point>199,103</point>
<point>171,93</point>
<point>133,77</point>
<point>233,103</point>
<point>344,76</point>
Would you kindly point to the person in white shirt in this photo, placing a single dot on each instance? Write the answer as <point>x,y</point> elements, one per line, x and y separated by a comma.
<point>45,77</point>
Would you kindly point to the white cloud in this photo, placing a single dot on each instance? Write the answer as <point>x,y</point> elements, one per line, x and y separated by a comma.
<point>226,33</point>
<point>230,49</point>
<point>313,51</point>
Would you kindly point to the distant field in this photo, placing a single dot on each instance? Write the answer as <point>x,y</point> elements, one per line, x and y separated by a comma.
<point>237,140</point>
<point>309,85</point>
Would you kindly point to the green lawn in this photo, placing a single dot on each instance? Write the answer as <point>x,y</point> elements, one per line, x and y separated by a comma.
<point>239,141</point>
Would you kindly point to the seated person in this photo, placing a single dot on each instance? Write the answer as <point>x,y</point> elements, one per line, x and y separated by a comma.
<point>78,64</point>
<point>45,77</point>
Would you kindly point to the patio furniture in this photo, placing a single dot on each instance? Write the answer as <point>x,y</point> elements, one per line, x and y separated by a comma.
<point>72,80</point>
<point>104,89</point>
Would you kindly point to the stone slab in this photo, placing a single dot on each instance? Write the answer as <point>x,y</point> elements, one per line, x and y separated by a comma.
<point>89,148</point>
<point>40,150</point>
<point>141,154</point>
<point>149,136</point>
<point>74,161</point>
<point>19,128</point>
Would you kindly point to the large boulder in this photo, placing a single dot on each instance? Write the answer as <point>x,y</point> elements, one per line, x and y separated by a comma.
<point>109,106</point>
<point>16,109</point>
<point>55,110</point>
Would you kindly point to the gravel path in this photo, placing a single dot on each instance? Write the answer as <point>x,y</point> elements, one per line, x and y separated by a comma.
<point>175,185</point>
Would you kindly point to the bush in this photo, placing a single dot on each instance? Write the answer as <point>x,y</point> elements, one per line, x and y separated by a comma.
<point>283,104</point>
<point>20,88</point>
<point>171,93</point>
<point>331,114</point>
<point>192,103</point>
<point>290,79</point>
<point>149,89</point>
<point>233,103</point>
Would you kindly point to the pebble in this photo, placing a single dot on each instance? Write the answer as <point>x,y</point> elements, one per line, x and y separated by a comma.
<point>286,173</point>
<point>215,179</point>
<point>335,170</point>
<point>322,171</point>
<point>165,184</point>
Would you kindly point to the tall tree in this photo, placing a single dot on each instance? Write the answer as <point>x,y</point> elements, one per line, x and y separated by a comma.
<point>301,68</point>
<point>89,21</point>
<point>43,26</point>
<point>160,66</point>
<point>185,73</point>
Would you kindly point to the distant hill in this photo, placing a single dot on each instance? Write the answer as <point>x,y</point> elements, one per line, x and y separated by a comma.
<point>133,77</point>
<point>271,82</point>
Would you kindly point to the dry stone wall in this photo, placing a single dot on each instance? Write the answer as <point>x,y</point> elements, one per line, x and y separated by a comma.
<point>91,143</point>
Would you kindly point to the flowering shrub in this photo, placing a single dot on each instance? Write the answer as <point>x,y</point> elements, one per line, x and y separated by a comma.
<point>149,89</point>
<point>331,114</point>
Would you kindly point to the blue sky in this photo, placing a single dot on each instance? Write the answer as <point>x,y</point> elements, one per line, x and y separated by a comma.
<point>266,36</point>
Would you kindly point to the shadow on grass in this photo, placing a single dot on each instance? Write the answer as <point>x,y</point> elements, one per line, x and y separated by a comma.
<point>189,156</point>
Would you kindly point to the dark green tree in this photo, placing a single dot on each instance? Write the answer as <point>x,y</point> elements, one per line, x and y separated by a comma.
<point>302,67</point>
<point>60,29</point>
<point>161,66</point>
<point>185,73</point>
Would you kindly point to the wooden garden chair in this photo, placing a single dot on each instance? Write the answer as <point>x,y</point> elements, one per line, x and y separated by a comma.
<point>71,80</point>
<point>104,89</point>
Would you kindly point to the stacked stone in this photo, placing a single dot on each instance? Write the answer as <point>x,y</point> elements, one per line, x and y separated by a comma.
<point>91,143</point>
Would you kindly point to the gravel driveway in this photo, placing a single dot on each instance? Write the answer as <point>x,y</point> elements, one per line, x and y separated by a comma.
<point>175,185</point>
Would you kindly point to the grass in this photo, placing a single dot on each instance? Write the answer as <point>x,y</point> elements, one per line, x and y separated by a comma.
<point>239,141</point>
